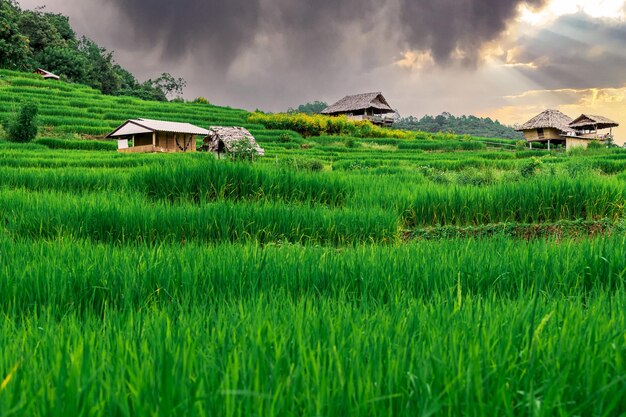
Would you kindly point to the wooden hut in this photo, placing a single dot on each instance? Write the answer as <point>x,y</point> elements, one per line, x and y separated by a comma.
<point>369,106</point>
<point>47,75</point>
<point>547,127</point>
<point>555,128</point>
<point>156,136</point>
<point>591,125</point>
<point>223,140</point>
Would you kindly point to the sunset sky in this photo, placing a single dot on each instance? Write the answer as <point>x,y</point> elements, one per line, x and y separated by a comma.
<point>506,59</point>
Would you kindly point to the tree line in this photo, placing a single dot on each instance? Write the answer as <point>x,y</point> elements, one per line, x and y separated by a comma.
<point>31,39</point>
<point>460,125</point>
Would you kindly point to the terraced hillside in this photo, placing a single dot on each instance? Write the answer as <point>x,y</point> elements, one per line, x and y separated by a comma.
<point>337,275</point>
<point>76,109</point>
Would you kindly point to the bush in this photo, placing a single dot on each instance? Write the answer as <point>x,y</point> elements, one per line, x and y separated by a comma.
<point>530,168</point>
<point>435,175</point>
<point>316,125</point>
<point>473,176</point>
<point>201,100</point>
<point>315,165</point>
<point>243,150</point>
<point>351,143</point>
<point>284,138</point>
<point>23,128</point>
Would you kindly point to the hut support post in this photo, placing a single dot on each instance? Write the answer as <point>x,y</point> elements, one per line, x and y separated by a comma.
<point>531,145</point>
<point>548,145</point>
<point>154,139</point>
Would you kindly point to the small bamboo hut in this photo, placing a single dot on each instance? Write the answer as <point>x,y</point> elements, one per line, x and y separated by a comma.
<point>47,75</point>
<point>156,136</point>
<point>547,127</point>
<point>369,106</point>
<point>555,128</point>
<point>224,140</point>
<point>590,126</point>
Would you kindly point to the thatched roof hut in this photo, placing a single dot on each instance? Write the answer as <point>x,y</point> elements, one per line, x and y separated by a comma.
<point>157,136</point>
<point>555,128</point>
<point>226,139</point>
<point>374,102</point>
<point>549,119</point>
<point>593,122</point>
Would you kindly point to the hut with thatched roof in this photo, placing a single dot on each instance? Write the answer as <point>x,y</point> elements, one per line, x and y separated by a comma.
<point>587,124</point>
<point>369,106</point>
<point>555,128</point>
<point>224,140</point>
<point>149,135</point>
<point>548,127</point>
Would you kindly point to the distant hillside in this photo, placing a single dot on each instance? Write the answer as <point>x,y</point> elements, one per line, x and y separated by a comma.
<point>66,109</point>
<point>36,39</point>
<point>463,125</point>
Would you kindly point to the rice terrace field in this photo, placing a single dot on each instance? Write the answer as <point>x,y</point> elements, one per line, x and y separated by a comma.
<point>416,275</point>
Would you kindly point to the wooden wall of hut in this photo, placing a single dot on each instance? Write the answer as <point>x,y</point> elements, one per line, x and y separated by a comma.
<point>548,134</point>
<point>168,141</point>
<point>577,143</point>
<point>144,139</point>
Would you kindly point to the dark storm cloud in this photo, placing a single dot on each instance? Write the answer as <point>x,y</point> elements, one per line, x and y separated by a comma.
<point>576,51</point>
<point>448,26</point>
<point>223,26</point>
<point>315,30</point>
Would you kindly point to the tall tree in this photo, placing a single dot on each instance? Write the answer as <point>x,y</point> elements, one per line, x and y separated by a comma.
<point>14,48</point>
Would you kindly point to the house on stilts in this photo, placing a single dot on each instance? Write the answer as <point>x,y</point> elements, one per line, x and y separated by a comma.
<point>369,106</point>
<point>557,129</point>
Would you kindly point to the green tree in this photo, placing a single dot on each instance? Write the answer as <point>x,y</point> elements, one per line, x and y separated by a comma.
<point>40,31</point>
<point>100,67</point>
<point>315,107</point>
<point>63,27</point>
<point>23,127</point>
<point>14,50</point>
<point>64,61</point>
<point>169,85</point>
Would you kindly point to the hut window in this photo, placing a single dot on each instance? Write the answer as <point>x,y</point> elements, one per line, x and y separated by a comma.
<point>540,133</point>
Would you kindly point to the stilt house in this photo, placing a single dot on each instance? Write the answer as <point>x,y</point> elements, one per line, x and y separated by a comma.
<point>156,136</point>
<point>370,106</point>
<point>557,129</point>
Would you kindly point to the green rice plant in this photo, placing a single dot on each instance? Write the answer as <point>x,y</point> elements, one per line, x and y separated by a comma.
<point>540,200</point>
<point>276,356</point>
<point>113,218</point>
<point>77,144</point>
<point>205,179</point>
<point>448,145</point>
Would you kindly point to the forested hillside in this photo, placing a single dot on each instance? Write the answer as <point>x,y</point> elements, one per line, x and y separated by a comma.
<point>37,39</point>
<point>462,125</point>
